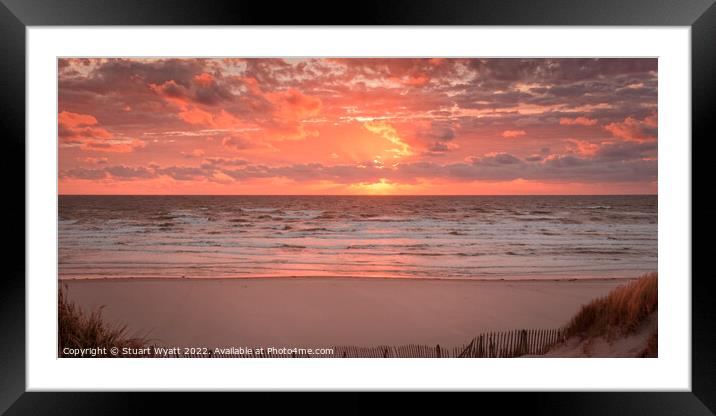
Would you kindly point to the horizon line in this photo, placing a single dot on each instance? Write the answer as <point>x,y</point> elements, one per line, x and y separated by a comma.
<point>367,195</point>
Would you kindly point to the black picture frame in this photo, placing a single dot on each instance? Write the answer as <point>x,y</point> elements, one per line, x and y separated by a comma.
<point>16,15</point>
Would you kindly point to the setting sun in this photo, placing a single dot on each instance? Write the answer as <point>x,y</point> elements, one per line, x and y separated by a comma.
<point>382,187</point>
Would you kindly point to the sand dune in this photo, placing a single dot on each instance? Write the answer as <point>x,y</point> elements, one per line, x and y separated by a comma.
<point>631,345</point>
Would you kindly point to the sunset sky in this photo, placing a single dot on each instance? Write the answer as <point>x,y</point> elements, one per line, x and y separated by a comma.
<point>357,126</point>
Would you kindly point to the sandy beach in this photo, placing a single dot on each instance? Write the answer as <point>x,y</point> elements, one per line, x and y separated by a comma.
<point>322,312</point>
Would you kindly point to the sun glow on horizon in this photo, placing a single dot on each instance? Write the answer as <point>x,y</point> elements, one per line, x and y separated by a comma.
<point>382,187</point>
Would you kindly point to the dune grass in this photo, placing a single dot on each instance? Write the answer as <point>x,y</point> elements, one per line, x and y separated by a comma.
<point>78,329</point>
<point>621,312</point>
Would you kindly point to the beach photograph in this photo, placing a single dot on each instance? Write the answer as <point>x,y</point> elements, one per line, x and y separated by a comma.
<point>325,207</point>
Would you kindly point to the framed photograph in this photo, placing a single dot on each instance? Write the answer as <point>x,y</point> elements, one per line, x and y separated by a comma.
<point>436,197</point>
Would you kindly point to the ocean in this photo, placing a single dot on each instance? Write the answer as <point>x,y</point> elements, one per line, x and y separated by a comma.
<point>431,237</point>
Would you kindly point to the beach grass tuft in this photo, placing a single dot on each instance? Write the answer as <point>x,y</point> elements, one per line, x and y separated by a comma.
<point>621,312</point>
<point>78,329</point>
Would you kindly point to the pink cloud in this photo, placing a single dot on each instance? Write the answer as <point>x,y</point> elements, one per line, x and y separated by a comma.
<point>633,129</point>
<point>70,119</point>
<point>120,146</point>
<point>237,142</point>
<point>417,80</point>
<point>204,79</point>
<point>77,128</point>
<point>83,130</point>
<point>513,134</point>
<point>95,160</point>
<point>583,147</point>
<point>293,103</point>
<point>577,121</point>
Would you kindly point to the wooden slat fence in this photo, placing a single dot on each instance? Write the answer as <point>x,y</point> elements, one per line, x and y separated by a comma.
<point>506,344</point>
